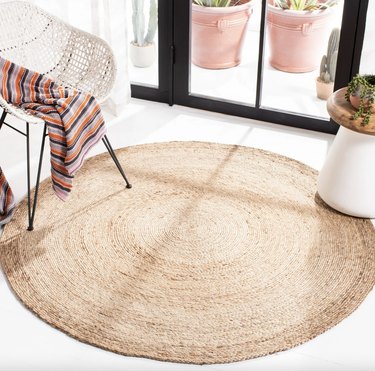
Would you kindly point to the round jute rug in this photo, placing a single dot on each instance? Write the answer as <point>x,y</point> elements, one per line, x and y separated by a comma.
<point>218,253</point>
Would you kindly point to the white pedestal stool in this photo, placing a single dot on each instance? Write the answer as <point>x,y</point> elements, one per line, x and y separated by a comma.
<point>347,179</point>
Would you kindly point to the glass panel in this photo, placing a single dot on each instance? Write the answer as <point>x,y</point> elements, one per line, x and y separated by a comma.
<point>143,47</point>
<point>295,44</point>
<point>224,51</point>
<point>368,51</point>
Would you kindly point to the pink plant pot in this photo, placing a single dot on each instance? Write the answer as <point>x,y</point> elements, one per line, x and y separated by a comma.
<point>323,89</point>
<point>218,34</point>
<point>297,38</point>
<point>355,102</point>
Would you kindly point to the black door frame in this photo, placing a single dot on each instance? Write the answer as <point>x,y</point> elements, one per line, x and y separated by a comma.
<point>174,66</point>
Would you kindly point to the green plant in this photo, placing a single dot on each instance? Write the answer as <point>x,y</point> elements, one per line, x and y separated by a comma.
<point>304,4</point>
<point>362,86</point>
<point>138,20</point>
<point>216,3</point>
<point>329,61</point>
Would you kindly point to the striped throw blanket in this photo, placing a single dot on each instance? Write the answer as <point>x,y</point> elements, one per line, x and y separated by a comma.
<point>6,201</point>
<point>74,121</point>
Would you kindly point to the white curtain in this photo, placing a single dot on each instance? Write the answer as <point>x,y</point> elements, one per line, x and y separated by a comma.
<point>106,19</point>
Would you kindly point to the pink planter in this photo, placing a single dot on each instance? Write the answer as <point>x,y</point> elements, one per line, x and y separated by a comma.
<point>356,101</point>
<point>297,38</point>
<point>218,34</point>
<point>323,89</point>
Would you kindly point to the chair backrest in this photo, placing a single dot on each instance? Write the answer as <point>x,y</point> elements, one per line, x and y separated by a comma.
<point>31,37</point>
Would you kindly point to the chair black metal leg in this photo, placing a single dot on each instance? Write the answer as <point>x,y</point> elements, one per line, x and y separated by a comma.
<point>28,175</point>
<point>115,160</point>
<point>31,211</point>
<point>2,119</point>
<point>32,204</point>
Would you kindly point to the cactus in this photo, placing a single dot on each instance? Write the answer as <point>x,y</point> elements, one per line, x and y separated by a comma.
<point>138,20</point>
<point>214,3</point>
<point>304,4</point>
<point>329,61</point>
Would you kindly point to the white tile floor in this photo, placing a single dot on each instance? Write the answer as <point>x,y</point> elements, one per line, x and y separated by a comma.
<point>28,344</point>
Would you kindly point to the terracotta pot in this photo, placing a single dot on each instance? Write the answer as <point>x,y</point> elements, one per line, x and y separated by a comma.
<point>323,89</point>
<point>355,102</point>
<point>297,37</point>
<point>218,34</point>
<point>142,56</point>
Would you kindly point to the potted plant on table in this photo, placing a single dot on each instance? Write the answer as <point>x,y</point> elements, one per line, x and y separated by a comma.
<point>361,94</point>
<point>296,29</point>
<point>218,32</point>
<point>142,49</point>
<point>327,71</point>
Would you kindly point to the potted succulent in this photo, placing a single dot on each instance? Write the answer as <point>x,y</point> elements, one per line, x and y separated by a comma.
<point>296,29</point>
<point>142,49</point>
<point>327,71</point>
<point>218,32</point>
<point>361,94</point>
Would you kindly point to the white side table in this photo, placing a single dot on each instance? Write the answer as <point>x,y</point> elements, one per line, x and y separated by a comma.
<point>347,179</point>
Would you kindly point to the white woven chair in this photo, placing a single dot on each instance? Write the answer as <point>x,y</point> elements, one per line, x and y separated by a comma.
<point>31,37</point>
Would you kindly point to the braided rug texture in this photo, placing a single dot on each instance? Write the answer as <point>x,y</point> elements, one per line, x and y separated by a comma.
<point>218,253</point>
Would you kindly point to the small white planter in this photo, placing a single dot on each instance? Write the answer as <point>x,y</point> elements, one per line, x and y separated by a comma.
<point>142,56</point>
<point>347,180</point>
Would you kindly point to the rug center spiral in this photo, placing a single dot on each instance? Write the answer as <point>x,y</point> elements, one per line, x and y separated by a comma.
<point>194,230</point>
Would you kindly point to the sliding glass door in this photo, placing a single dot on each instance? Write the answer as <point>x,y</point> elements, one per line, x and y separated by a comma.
<point>255,60</point>
<point>150,23</point>
<point>368,52</point>
<point>295,47</point>
<point>143,48</point>
<point>224,47</point>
